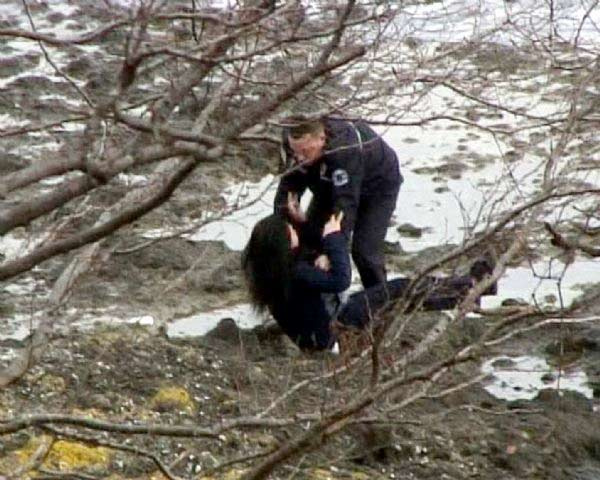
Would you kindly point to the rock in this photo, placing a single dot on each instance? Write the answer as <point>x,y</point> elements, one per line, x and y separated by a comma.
<point>225,277</point>
<point>548,378</point>
<point>503,364</point>
<point>36,82</point>
<point>79,67</point>
<point>226,330</point>
<point>172,399</point>
<point>567,401</point>
<point>514,302</point>
<point>393,248</point>
<point>408,230</point>
<point>52,384</point>
<point>175,254</point>
<point>56,17</point>
<point>257,374</point>
<point>11,65</point>
<point>373,442</point>
<point>100,401</point>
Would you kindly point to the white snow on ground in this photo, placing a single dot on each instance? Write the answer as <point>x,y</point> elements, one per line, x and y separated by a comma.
<point>7,121</point>
<point>20,327</point>
<point>543,284</point>
<point>201,323</point>
<point>235,228</point>
<point>461,20</point>
<point>521,378</point>
<point>11,247</point>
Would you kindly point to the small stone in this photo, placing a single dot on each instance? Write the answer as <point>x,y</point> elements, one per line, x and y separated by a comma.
<point>548,378</point>
<point>226,330</point>
<point>514,302</point>
<point>408,230</point>
<point>503,364</point>
<point>393,248</point>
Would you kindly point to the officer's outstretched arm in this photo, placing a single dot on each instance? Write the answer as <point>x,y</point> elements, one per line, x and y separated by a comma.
<point>347,177</point>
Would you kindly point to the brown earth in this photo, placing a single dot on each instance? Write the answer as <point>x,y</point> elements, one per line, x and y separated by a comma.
<point>134,374</point>
<point>128,374</point>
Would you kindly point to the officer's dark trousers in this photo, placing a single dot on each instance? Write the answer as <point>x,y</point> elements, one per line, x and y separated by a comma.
<point>366,306</point>
<point>368,238</point>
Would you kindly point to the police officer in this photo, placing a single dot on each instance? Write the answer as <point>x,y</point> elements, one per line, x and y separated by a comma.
<point>347,167</point>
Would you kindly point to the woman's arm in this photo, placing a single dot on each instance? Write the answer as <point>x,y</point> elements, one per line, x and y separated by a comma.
<point>338,277</point>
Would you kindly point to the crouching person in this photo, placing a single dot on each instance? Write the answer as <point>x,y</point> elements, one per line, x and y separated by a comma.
<point>300,290</point>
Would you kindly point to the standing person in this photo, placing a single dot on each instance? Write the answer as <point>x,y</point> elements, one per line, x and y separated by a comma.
<point>349,168</point>
<point>300,291</point>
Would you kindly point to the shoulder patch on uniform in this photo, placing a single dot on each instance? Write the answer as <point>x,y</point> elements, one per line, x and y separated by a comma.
<point>339,177</point>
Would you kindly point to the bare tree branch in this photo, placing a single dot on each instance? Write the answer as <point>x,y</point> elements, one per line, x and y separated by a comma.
<point>560,241</point>
<point>11,268</point>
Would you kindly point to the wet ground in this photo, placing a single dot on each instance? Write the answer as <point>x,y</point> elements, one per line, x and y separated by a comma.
<point>125,348</point>
<point>126,373</point>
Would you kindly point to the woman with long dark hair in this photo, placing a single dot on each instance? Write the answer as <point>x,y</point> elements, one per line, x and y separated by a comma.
<point>293,287</point>
<point>300,290</point>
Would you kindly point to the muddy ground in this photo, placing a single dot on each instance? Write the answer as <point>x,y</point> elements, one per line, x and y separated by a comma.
<point>130,374</point>
<point>135,374</point>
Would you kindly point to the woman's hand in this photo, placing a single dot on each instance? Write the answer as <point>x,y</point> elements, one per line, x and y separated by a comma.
<point>334,224</point>
<point>322,263</point>
<point>294,209</point>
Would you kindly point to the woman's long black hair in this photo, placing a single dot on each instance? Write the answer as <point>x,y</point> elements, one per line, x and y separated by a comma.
<point>267,262</point>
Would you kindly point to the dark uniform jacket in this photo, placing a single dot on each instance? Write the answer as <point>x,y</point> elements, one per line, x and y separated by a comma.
<point>356,163</point>
<point>306,316</point>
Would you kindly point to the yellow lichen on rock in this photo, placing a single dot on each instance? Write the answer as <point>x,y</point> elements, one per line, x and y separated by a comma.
<point>172,398</point>
<point>21,460</point>
<point>24,454</point>
<point>67,455</point>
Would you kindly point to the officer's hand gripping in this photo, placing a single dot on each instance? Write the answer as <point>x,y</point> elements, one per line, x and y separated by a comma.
<point>294,209</point>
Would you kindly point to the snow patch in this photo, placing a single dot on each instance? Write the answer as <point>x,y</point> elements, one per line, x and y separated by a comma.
<point>522,378</point>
